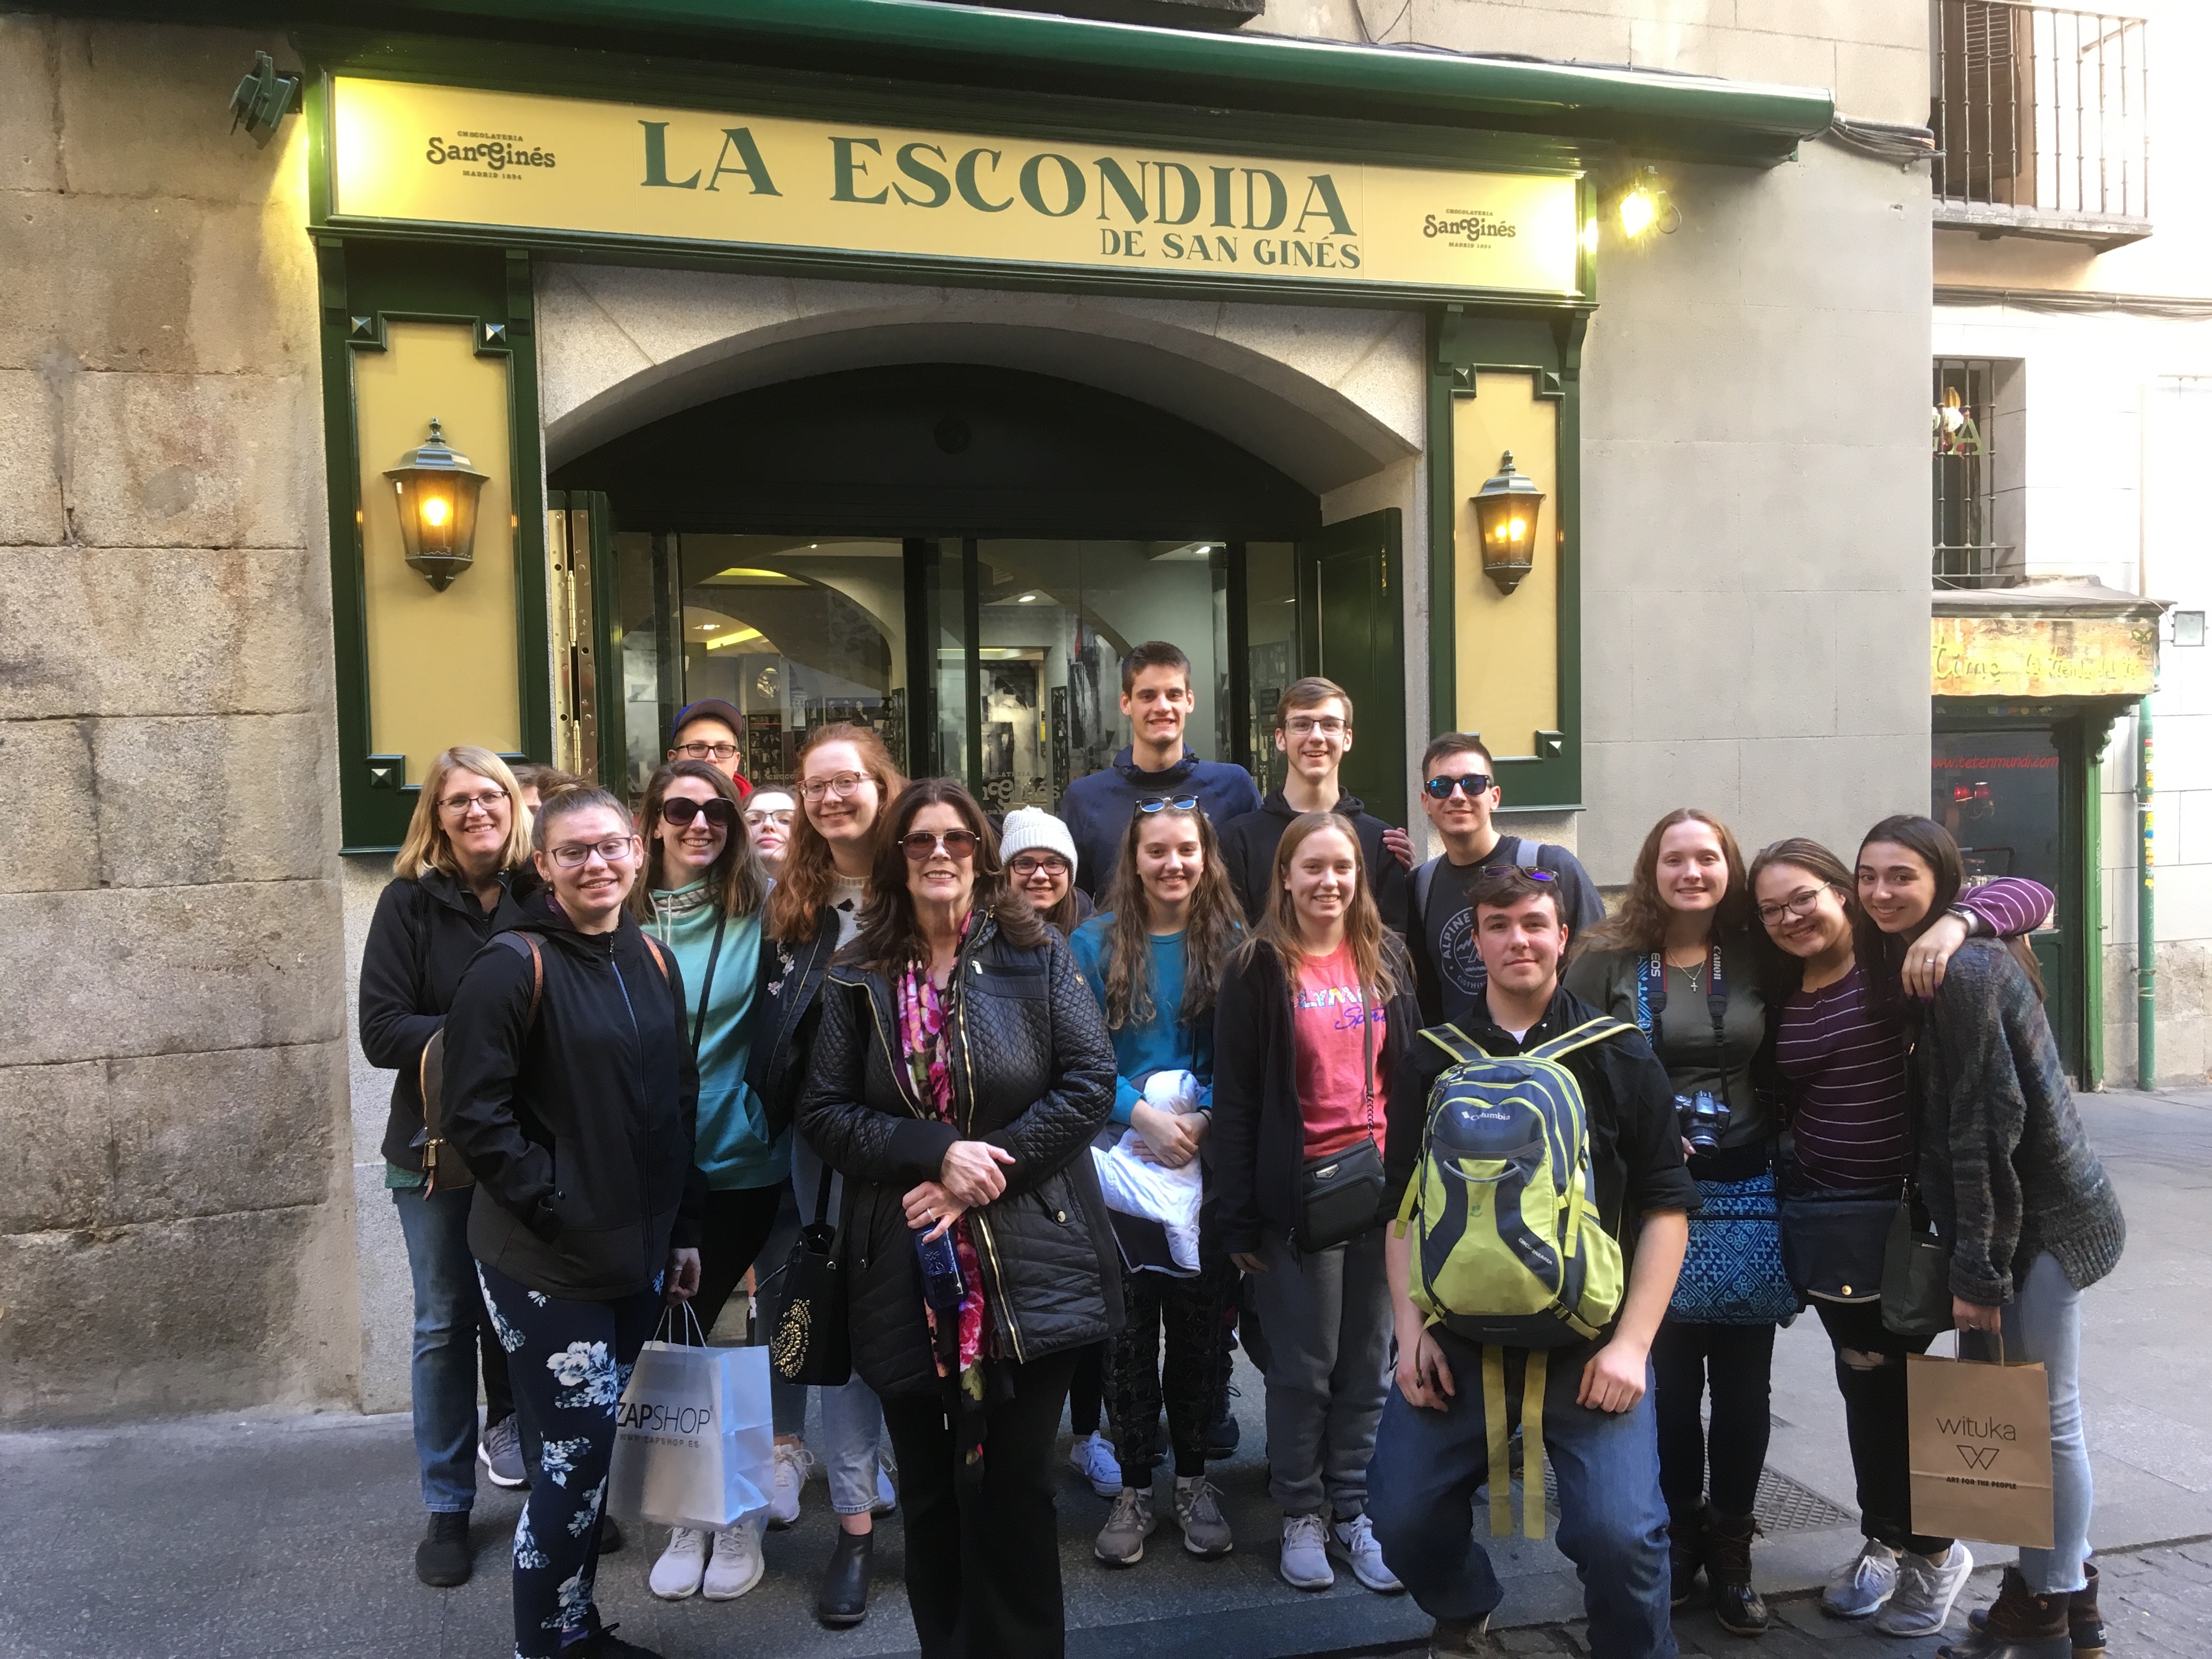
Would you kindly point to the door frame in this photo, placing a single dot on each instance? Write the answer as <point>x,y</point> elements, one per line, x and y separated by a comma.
<point>1381,717</point>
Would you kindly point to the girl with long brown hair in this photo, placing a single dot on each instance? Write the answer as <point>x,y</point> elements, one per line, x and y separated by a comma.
<point>1154,959</point>
<point>846,780</point>
<point>1312,1018</point>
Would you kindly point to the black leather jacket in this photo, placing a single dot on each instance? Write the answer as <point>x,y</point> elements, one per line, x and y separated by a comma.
<point>1033,1073</point>
<point>783,1030</point>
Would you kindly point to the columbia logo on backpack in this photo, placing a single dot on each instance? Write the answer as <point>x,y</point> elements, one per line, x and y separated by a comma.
<point>1509,1251</point>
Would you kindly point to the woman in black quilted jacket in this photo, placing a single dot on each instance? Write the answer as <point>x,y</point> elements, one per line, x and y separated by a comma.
<point>961,1069</point>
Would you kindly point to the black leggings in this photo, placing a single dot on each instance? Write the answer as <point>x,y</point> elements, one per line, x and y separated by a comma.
<point>1874,1419</point>
<point>1736,1363</point>
<point>732,1228</point>
<point>1192,1314</point>
<point>983,1557</point>
<point>1086,1394</point>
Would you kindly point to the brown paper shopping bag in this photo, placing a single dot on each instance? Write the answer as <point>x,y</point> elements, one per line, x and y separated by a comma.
<point>1980,1450</point>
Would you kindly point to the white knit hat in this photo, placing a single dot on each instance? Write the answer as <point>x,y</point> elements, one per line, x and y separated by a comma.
<point>1032,829</point>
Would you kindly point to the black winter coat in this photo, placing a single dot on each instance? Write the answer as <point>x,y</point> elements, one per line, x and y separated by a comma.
<point>424,933</point>
<point>1248,851</point>
<point>790,1009</point>
<point>578,1123</point>
<point>1259,1129</point>
<point>1033,1074</point>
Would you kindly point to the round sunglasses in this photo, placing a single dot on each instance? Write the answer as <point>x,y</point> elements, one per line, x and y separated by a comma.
<point>956,844</point>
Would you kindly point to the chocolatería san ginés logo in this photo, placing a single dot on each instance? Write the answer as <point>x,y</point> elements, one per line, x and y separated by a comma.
<point>486,152</point>
<point>1468,227</point>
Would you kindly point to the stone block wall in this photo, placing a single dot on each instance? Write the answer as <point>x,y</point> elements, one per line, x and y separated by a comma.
<point>175,1212</point>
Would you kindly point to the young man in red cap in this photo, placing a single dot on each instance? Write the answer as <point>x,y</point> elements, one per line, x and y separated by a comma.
<point>712,730</point>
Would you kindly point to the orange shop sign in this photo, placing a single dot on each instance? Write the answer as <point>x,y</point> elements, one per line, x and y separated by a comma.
<point>2042,656</point>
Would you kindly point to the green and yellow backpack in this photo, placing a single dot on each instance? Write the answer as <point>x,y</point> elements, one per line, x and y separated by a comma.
<point>1508,1248</point>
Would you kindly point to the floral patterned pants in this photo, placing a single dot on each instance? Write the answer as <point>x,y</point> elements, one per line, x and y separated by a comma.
<point>570,1362</point>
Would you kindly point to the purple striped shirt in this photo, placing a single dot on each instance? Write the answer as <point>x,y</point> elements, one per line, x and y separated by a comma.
<point>1847,1068</point>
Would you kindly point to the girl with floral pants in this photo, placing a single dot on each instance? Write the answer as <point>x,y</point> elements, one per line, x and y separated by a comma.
<point>570,1361</point>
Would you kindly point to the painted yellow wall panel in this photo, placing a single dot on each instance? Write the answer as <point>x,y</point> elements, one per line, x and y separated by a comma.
<point>442,667</point>
<point>1509,644</point>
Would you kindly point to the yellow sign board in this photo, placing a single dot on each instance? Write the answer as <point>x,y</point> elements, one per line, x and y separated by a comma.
<point>2043,657</point>
<point>446,156</point>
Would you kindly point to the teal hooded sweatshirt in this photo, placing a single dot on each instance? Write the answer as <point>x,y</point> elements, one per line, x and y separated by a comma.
<point>734,1146</point>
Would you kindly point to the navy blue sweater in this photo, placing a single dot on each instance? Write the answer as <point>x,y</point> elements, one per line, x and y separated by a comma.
<point>1097,809</point>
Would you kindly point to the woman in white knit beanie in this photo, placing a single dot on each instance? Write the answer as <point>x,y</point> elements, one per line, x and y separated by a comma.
<point>1039,854</point>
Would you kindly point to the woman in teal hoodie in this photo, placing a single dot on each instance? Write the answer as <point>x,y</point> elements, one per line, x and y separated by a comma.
<point>702,897</point>
<point>1153,959</point>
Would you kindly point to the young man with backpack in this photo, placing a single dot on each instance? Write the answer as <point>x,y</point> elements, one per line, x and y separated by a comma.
<point>1535,1133</point>
<point>1460,793</point>
<point>1313,728</point>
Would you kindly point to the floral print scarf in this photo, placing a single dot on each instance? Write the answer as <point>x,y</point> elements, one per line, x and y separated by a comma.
<point>925,1045</point>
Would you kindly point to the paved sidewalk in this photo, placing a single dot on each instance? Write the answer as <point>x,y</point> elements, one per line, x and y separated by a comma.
<point>265,1534</point>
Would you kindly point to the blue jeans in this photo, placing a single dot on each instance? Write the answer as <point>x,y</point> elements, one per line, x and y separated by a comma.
<point>448,1308</point>
<point>1613,1522</point>
<point>852,1417</point>
<point>2043,1323</point>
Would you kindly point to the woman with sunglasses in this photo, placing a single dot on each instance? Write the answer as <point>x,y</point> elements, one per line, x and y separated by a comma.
<point>960,1071</point>
<point>2015,1189</point>
<point>1154,960</point>
<point>770,810</point>
<point>846,781</point>
<point>1312,1015</point>
<point>571,1095</point>
<point>461,875</point>
<point>1840,1052</point>
<point>700,897</point>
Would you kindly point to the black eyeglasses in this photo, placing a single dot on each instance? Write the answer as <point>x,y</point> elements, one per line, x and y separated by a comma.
<point>681,809</point>
<point>1168,803</point>
<point>1470,784</point>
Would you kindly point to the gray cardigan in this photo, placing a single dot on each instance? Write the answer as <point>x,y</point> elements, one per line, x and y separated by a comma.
<point>2005,1167</point>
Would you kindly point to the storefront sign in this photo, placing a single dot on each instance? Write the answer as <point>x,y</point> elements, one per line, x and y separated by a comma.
<point>2043,657</point>
<point>445,155</point>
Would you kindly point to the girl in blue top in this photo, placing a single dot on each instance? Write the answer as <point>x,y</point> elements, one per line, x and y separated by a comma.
<point>1153,959</point>
<point>702,897</point>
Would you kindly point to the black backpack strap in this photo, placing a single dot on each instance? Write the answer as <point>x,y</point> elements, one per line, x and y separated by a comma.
<point>1463,1049</point>
<point>527,945</point>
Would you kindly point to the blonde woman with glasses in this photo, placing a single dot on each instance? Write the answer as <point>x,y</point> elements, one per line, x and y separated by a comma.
<point>459,878</point>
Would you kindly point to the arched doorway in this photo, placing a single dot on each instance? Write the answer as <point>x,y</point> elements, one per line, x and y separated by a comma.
<point>957,554</point>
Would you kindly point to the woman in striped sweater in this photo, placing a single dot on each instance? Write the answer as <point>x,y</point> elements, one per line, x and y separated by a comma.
<point>1841,1053</point>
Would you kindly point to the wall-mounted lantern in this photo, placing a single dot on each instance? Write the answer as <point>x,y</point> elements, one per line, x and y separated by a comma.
<point>1505,513</point>
<point>437,497</point>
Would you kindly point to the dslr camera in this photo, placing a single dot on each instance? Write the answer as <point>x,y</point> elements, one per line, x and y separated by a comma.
<point>1705,1118</point>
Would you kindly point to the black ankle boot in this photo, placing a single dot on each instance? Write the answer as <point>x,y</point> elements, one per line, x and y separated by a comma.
<point>443,1559</point>
<point>2085,1625</point>
<point>1686,1554</point>
<point>2018,1625</point>
<point>844,1598</point>
<point>1736,1605</point>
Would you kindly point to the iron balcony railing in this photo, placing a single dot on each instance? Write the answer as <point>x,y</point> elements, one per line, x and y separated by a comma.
<point>2040,115</point>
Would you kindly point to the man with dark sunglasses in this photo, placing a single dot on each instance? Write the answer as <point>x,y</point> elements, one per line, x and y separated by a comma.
<point>1313,730</point>
<point>1460,793</point>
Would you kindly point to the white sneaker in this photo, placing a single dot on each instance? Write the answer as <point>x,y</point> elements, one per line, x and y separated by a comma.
<point>791,1463</point>
<point>1354,1542</point>
<point>886,1486</point>
<point>1092,1457</point>
<point>1925,1591</point>
<point>737,1566</point>
<point>677,1573</point>
<point>1305,1564</point>
<point>1863,1585</point>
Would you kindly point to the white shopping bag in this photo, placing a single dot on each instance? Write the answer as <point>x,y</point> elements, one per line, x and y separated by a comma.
<point>694,1442</point>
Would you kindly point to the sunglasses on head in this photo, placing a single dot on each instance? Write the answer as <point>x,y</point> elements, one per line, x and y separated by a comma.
<point>1469,783</point>
<point>1532,875</point>
<point>681,809</point>
<point>1168,803</point>
<point>956,844</point>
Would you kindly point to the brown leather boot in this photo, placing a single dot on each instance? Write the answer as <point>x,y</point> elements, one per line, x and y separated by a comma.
<point>2085,1625</point>
<point>2018,1625</point>
<point>1736,1605</point>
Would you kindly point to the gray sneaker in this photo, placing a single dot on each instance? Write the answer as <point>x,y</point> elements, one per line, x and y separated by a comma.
<point>1305,1564</point>
<point>500,1451</point>
<point>1862,1586</point>
<point>1128,1523</point>
<point>1198,1512</point>
<point>1925,1591</point>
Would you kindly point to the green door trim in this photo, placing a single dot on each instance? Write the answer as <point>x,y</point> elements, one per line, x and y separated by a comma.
<point>1380,710</point>
<point>1463,344</point>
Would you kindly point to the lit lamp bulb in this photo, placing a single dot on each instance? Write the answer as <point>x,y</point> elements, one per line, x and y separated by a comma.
<point>434,512</point>
<point>1636,212</point>
<point>437,494</point>
<point>1505,510</point>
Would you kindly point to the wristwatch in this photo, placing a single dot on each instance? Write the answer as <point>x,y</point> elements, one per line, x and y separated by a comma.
<point>1976,925</point>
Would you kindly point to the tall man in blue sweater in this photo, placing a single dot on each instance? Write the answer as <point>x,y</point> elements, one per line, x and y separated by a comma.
<point>1157,701</point>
